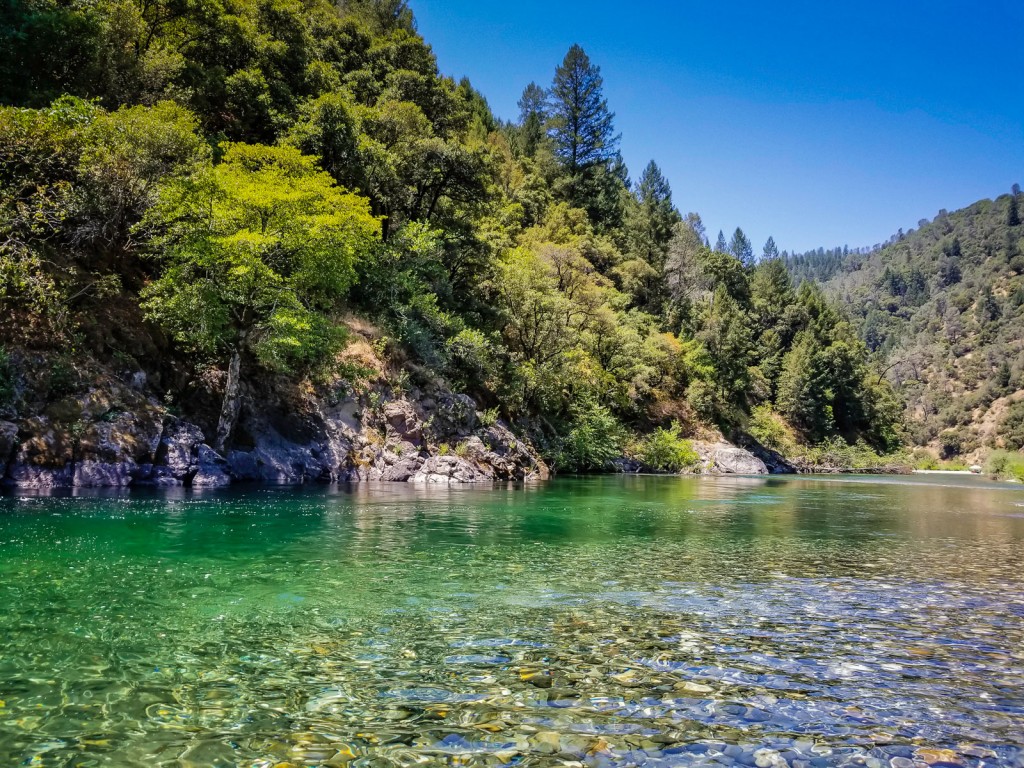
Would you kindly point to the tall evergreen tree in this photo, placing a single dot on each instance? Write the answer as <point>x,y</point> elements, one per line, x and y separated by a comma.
<point>771,251</point>
<point>741,248</point>
<point>720,245</point>
<point>533,114</point>
<point>581,127</point>
<point>1013,214</point>
<point>651,227</point>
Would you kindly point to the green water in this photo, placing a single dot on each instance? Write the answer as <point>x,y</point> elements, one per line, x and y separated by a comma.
<point>608,621</point>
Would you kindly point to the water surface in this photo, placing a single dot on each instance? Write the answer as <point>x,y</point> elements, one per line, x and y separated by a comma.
<point>608,621</point>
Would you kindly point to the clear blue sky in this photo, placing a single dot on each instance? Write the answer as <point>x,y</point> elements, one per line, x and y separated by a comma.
<point>820,123</point>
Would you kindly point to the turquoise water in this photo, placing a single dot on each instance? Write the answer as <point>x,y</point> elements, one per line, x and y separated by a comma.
<point>607,621</point>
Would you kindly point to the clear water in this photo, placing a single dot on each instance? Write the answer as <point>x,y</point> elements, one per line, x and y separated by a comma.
<point>609,621</point>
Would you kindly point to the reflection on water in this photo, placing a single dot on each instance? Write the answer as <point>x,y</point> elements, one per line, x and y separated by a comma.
<point>611,621</point>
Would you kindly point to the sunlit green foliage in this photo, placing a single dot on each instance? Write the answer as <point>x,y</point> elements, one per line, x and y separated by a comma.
<point>257,249</point>
<point>223,182</point>
<point>666,450</point>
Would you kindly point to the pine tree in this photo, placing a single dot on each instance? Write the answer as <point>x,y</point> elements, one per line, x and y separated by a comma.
<point>720,245</point>
<point>771,251</point>
<point>581,128</point>
<point>655,218</point>
<point>533,114</point>
<point>1013,214</point>
<point>741,248</point>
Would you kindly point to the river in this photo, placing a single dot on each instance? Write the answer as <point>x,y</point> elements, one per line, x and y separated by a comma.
<point>653,621</point>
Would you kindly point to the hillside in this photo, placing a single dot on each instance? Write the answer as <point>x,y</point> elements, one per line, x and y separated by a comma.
<point>199,203</point>
<point>942,309</point>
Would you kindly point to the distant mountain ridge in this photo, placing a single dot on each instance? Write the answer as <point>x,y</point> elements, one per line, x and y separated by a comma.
<point>942,309</point>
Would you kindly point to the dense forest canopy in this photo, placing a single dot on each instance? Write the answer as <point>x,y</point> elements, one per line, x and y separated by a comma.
<point>215,186</point>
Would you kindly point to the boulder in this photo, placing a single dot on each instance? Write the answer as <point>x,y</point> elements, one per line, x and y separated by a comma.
<point>727,459</point>
<point>453,414</point>
<point>177,450</point>
<point>403,470</point>
<point>211,469</point>
<point>103,474</point>
<point>403,422</point>
<point>25,475</point>
<point>450,470</point>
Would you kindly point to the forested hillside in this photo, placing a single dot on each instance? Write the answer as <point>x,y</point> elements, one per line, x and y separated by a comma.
<point>942,309</point>
<point>209,193</point>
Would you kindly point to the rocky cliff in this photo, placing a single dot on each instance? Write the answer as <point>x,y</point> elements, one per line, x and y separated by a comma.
<point>115,436</point>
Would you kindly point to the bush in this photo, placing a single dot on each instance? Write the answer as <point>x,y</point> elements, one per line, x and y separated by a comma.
<point>769,430</point>
<point>1012,427</point>
<point>1005,465</point>
<point>924,460</point>
<point>836,453</point>
<point>488,418</point>
<point>472,357</point>
<point>594,440</point>
<point>952,443</point>
<point>666,450</point>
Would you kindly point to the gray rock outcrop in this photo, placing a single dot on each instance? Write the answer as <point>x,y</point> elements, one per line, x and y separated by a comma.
<point>727,459</point>
<point>119,438</point>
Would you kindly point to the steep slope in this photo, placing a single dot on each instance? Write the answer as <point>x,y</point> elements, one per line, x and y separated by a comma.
<point>942,308</point>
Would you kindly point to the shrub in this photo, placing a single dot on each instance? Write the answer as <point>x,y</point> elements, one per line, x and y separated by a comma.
<point>1005,465</point>
<point>666,450</point>
<point>8,391</point>
<point>488,418</point>
<point>1012,427</point>
<point>769,430</point>
<point>472,357</point>
<point>836,453</point>
<point>924,460</point>
<point>462,449</point>
<point>593,441</point>
<point>952,443</point>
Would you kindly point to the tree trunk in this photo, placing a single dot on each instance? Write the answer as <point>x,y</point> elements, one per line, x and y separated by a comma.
<point>232,402</point>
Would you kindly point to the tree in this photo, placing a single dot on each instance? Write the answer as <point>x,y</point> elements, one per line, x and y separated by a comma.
<point>581,125</point>
<point>650,219</point>
<point>726,335</point>
<point>720,245</point>
<point>533,116</point>
<point>771,251</point>
<point>683,274</point>
<point>1013,212</point>
<point>658,216</point>
<point>257,252</point>
<point>741,248</point>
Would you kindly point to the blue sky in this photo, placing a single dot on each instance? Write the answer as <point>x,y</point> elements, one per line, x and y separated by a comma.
<point>821,123</point>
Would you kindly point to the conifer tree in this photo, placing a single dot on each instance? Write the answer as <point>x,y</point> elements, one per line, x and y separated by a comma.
<point>655,218</point>
<point>582,126</point>
<point>771,251</point>
<point>582,129</point>
<point>533,114</point>
<point>741,248</point>
<point>720,245</point>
